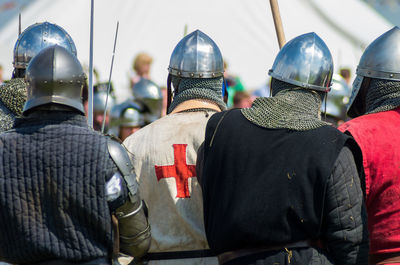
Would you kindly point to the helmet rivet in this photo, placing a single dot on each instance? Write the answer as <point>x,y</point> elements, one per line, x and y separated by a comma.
<point>45,81</point>
<point>61,81</point>
<point>213,75</point>
<point>391,75</point>
<point>191,74</point>
<point>70,81</point>
<point>201,75</point>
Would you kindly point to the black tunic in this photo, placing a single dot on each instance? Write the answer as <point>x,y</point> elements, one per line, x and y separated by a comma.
<point>267,187</point>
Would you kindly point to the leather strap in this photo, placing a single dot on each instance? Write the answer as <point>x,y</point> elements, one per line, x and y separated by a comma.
<point>116,236</point>
<point>100,261</point>
<point>178,255</point>
<point>231,255</point>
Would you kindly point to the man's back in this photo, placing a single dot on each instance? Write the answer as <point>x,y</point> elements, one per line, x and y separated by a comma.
<point>52,190</point>
<point>164,158</point>
<point>377,136</point>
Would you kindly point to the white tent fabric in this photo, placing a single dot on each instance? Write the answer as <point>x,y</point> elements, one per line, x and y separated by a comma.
<point>243,29</point>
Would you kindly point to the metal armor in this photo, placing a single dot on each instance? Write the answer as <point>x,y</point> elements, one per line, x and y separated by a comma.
<point>37,37</point>
<point>380,60</point>
<point>134,229</point>
<point>304,61</point>
<point>196,56</point>
<point>149,93</point>
<point>54,76</point>
<point>99,101</point>
<point>128,113</point>
<point>196,70</point>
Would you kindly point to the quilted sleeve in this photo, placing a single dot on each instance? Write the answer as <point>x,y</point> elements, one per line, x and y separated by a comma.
<point>346,219</point>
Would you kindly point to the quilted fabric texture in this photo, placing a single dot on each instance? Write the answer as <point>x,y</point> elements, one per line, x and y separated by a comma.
<point>53,171</point>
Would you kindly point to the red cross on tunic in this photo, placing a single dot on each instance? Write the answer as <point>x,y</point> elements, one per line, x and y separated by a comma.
<point>179,170</point>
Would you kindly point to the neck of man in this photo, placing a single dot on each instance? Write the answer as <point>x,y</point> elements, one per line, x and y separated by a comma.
<point>196,104</point>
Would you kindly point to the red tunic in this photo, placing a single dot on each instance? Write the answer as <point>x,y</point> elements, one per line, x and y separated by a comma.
<point>378,136</point>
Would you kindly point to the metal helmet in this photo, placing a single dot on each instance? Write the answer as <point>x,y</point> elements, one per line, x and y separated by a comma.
<point>129,113</point>
<point>304,61</point>
<point>381,60</point>
<point>147,92</point>
<point>196,56</point>
<point>37,37</point>
<point>99,102</point>
<point>338,98</point>
<point>54,76</point>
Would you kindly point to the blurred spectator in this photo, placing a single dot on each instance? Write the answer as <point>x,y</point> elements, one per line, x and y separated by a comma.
<point>126,118</point>
<point>263,91</point>
<point>346,74</point>
<point>233,83</point>
<point>141,66</point>
<point>242,100</point>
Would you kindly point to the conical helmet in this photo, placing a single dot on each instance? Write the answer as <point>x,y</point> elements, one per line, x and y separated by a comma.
<point>381,60</point>
<point>304,61</point>
<point>196,56</point>
<point>37,37</point>
<point>54,76</point>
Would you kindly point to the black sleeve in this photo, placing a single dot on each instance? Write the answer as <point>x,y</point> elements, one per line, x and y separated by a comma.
<point>346,231</point>
<point>199,163</point>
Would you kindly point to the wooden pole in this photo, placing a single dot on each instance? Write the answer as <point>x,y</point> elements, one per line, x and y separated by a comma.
<point>278,22</point>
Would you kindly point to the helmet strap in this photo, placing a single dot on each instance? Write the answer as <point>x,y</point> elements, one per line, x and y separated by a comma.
<point>326,99</point>
<point>225,95</point>
<point>169,92</point>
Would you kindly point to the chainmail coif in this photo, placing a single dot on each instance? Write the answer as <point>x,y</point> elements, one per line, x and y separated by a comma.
<point>382,95</point>
<point>12,99</point>
<point>197,88</point>
<point>291,107</point>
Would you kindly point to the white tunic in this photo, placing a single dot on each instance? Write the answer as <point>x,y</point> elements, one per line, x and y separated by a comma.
<point>164,157</point>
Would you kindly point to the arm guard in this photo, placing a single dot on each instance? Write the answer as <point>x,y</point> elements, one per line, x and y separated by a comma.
<point>133,226</point>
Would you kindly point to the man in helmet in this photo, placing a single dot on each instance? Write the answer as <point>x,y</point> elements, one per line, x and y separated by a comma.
<point>149,94</point>
<point>375,107</point>
<point>99,105</point>
<point>31,41</point>
<point>164,154</point>
<point>125,119</point>
<point>61,181</point>
<point>280,186</point>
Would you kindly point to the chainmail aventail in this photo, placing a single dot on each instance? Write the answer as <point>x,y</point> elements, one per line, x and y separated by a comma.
<point>12,99</point>
<point>291,107</point>
<point>382,95</point>
<point>197,88</point>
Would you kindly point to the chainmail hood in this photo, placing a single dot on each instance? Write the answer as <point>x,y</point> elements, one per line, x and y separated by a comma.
<point>291,107</point>
<point>382,95</point>
<point>12,100</point>
<point>13,95</point>
<point>197,88</point>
